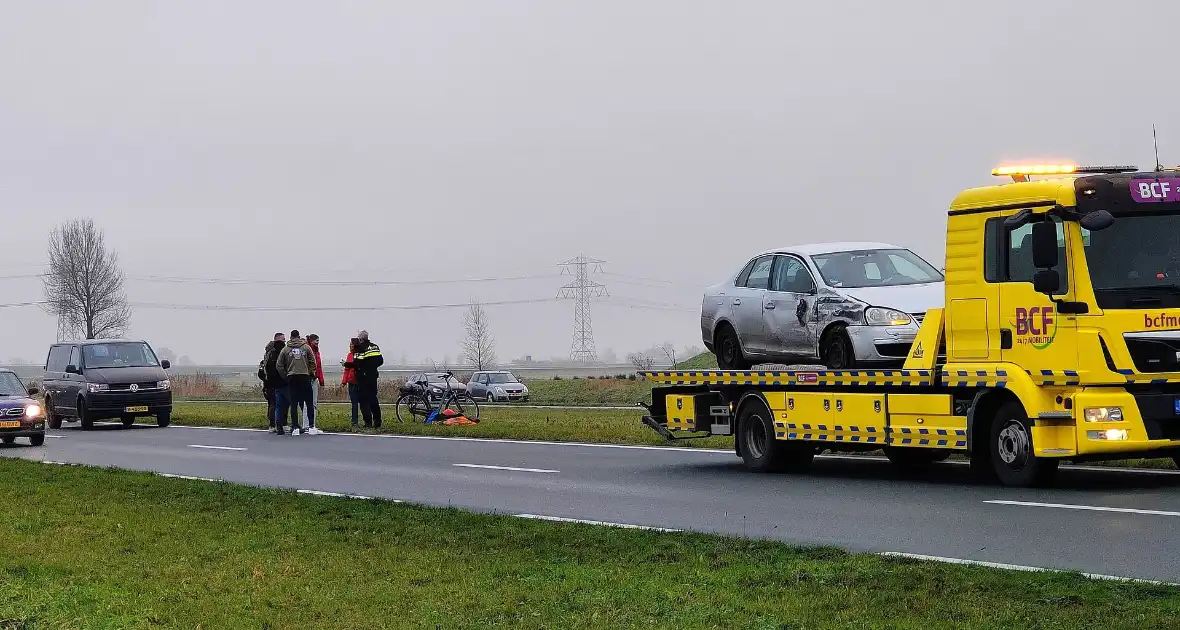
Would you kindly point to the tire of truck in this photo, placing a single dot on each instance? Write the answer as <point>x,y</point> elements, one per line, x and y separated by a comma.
<point>1011,449</point>
<point>914,458</point>
<point>837,350</point>
<point>759,449</point>
<point>728,349</point>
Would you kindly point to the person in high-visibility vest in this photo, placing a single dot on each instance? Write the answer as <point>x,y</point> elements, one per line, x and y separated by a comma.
<point>365,361</point>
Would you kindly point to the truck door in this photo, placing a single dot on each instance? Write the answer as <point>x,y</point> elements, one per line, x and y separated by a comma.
<point>788,309</point>
<point>747,306</point>
<point>1033,334</point>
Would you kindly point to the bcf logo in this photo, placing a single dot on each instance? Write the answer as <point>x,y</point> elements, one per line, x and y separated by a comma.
<point>1035,326</point>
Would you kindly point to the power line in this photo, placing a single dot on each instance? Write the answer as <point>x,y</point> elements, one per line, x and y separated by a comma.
<point>582,290</point>
<point>308,309</point>
<point>319,283</point>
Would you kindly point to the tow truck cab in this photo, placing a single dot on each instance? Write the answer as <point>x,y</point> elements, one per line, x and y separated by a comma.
<point>1061,329</point>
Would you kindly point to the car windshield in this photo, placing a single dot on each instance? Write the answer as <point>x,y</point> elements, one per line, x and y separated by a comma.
<point>1135,263</point>
<point>118,355</point>
<point>11,386</point>
<point>875,268</point>
<point>500,378</point>
<point>441,380</point>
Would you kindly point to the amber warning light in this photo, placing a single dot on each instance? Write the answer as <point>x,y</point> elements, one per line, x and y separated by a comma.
<point>1021,173</point>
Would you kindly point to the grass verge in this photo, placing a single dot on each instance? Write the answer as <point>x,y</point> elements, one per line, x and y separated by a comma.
<point>109,549</point>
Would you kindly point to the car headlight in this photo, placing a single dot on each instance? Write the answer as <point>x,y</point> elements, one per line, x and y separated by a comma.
<point>95,388</point>
<point>499,390</point>
<point>33,411</point>
<point>435,390</point>
<point>877,316</point>
<point>524,390</point>
<point>164,384</point>
<point>1103,414</point>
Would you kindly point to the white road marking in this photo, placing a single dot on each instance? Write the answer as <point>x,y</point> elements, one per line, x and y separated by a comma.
<point>188,477</point>
<point>325,493</point>
<point>219,448</point>
<point>1088,508</point>
<point>559,519</point>
<point>1017,567</point>
<point>54,436</point>
<point>481,404</point>
<point>512,468</point>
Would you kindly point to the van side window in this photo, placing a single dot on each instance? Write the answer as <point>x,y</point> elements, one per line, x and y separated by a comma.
<point>58,358</point>
<point>1007,254</point>
<point>76,357</point>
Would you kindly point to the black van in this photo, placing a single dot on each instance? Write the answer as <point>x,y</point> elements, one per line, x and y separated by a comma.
<point>102,379</point>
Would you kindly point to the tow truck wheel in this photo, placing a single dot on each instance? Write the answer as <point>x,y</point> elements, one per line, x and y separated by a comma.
<point>1011,447</point>
<point>729,350</point>
<point>760,451</point>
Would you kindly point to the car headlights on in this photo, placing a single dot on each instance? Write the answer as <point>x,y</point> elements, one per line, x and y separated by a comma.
<point>95,388</point>
<point>33,411</point>
<point>877,316</point>
<point>164,384</point>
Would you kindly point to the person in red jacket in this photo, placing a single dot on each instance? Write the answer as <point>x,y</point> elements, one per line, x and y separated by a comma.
<point>349,380</point>
<point>313,341</point>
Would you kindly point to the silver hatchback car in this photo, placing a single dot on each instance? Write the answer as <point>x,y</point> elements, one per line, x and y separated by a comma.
<point>839,304</point>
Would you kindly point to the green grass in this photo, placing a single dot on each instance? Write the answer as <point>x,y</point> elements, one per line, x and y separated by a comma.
<point>108,549</point>
<point>702,361</point>
<point>589,392</point>
<point>610,426</point>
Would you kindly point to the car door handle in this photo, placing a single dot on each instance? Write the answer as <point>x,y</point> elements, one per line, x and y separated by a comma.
<point>769,306</point>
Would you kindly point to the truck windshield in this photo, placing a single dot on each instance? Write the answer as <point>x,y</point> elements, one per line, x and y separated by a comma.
<point>875,268</point>
<point>10,386</point>
<point>1135,263</point>
<point>118,355</point>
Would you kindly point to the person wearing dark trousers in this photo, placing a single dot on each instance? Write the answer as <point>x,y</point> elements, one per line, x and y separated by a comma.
<point>271,383</point>
<point>349,380</point>
<point>365,361</point>
<point>297,366</point>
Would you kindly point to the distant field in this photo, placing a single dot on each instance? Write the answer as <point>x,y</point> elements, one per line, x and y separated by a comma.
<point>94,548</point>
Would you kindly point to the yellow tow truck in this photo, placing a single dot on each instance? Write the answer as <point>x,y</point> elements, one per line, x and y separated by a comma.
<point>1059,340</point>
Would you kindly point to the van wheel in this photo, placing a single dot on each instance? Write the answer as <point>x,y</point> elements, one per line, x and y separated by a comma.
<point>728,350</point>
<point>85,416</point>
<point>128,421</point>
<point>759,449</point>
<point>837,351</point>
<point>164,418</point>
<point>54,420</point>
<point>1011,449</point>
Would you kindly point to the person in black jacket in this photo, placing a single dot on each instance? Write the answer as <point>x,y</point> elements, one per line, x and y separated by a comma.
<point>272,381</point>
<point>365,361</point>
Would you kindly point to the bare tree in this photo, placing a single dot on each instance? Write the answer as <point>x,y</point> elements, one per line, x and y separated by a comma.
<point>479,348</point>
<point>84,285</point>
<point>668,351</point>
<point>642,361</point>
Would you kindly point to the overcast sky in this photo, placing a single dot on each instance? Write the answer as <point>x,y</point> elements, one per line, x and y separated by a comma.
<point>440,140</point>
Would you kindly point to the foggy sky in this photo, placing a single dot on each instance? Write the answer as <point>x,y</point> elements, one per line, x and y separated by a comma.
<point>393,140</point>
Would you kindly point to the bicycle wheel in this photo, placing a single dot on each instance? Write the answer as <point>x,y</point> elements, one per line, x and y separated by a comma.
<point>466,406</point>
<point>411,407</point>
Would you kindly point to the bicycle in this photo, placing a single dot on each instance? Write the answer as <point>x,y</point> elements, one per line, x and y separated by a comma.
<point>415,400</point>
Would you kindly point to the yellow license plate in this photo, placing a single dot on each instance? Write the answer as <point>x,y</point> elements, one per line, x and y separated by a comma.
<point>9,424</point>
<point>135,409</point>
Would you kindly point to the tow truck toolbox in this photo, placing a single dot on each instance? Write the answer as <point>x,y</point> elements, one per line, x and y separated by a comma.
<point>1059,339</point>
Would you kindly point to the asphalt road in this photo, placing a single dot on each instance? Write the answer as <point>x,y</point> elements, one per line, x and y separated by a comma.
<point>1104,522</point>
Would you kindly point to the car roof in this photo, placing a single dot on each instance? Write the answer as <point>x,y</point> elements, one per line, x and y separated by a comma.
<point>812,249</point>
<point>94,342</point>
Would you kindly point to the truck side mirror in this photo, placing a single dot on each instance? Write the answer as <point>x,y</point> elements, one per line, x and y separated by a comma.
<point>1044,245</point>
<point>1047,281</point>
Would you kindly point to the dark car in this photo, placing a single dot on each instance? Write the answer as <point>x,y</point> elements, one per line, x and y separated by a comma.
<point>106,379</point>
<point>20,414</point>
<point>434,384</point>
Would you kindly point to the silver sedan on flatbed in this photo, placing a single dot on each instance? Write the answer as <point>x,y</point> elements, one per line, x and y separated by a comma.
<point>839,304</point>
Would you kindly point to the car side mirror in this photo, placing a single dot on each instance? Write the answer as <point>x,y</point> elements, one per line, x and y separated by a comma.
<point>72,369</point>
<point>1047,281</point>
<point>33,391</point>
<point>1044,245</point>
<point>165,364</point>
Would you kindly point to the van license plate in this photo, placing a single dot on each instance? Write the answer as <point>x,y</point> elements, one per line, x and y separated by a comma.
<point>135,409</point>
<point>10,424</point>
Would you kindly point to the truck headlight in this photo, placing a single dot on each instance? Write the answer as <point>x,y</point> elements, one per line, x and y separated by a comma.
<point>95,388</point>
<point>1103,414</point>
<point>164,384</point>
<point>877,316</point>
<point>33,411</point>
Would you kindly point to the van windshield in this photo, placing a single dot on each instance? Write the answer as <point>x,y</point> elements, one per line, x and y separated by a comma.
<point>118,355</point>
<point>875,268</point>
